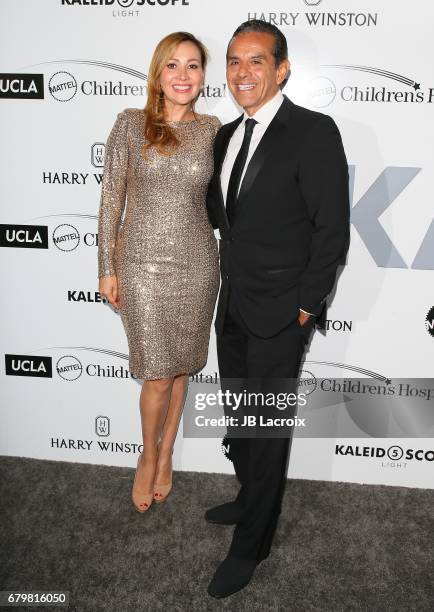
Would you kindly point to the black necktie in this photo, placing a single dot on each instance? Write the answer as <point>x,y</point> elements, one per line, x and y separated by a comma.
<point>237,170</point>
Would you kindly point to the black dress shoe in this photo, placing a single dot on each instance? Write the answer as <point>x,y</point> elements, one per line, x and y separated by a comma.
<point>225,514</point>
<point>231,576</point>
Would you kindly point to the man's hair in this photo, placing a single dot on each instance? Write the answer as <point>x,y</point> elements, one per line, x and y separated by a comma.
<point>280,48</point>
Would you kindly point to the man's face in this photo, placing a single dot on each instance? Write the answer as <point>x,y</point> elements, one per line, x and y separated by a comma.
<point>251,72</point>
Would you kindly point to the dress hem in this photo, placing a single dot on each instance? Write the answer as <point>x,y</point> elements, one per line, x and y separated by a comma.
<point>171,374</point>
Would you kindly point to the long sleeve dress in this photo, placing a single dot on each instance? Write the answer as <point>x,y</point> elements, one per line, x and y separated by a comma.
<point>163,251</point>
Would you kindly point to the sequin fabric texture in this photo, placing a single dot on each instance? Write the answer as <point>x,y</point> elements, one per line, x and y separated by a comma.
<point>154,235</point>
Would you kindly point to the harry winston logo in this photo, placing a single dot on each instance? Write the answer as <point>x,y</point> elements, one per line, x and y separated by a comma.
<point>102,426</point>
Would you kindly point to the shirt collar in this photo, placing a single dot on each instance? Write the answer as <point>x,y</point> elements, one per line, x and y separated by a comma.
<point>266,113</point>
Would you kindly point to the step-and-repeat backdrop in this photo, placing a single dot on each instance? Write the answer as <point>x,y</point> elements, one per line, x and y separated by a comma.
<point>67,68</point>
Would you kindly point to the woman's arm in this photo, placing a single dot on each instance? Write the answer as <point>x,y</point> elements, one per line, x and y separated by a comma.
<point>212,195</point>
<point>112,204</point>
<point>113,193</point>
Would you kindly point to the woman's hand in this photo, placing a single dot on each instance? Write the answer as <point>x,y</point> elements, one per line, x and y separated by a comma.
<point>108,288</point>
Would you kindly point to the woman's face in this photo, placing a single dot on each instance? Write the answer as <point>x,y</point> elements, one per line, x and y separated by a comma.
<point>182,76</point>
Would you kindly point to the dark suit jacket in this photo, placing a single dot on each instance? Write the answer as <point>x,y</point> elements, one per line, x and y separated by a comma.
<point>291,230</point>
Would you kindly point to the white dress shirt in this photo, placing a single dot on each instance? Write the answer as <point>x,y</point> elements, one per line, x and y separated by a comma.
<point>263,116</point>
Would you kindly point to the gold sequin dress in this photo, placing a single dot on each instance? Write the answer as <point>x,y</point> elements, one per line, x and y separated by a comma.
<point>163,251</point>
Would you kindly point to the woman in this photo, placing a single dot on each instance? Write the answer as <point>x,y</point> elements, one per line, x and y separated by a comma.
<point>160,267</point>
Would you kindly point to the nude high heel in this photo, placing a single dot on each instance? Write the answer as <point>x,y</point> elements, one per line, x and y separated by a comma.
<point>161,491</point>
<point>141,501</point>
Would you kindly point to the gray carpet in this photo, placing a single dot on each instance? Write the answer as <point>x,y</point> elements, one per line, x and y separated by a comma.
<point>339,546</point>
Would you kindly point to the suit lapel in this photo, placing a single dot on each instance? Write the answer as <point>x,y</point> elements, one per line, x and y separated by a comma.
<point>231,127</point>
<point>263,151</point>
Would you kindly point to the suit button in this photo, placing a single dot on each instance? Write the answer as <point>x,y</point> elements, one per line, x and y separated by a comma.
<point>227,276</point>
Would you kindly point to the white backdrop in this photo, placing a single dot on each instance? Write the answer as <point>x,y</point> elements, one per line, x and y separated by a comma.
<point>367,64</point>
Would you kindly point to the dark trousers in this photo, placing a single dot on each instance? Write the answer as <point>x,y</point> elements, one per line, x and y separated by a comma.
<point>260,463</point>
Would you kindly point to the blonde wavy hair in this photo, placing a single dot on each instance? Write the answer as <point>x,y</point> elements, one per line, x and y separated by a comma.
<point>157,133</point>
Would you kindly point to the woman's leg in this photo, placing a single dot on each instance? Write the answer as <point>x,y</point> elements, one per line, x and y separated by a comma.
<point>170,429</point>
<point>154,403</point>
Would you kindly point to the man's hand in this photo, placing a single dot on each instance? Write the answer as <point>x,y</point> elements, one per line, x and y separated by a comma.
<point>108,288</point>
<point>303,317</point>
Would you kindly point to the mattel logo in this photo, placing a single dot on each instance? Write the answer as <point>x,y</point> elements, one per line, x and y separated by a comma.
<point>24,236</point>
<point>28,365</point>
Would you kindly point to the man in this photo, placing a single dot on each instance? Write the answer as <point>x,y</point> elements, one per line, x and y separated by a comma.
<point>279,196</point>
